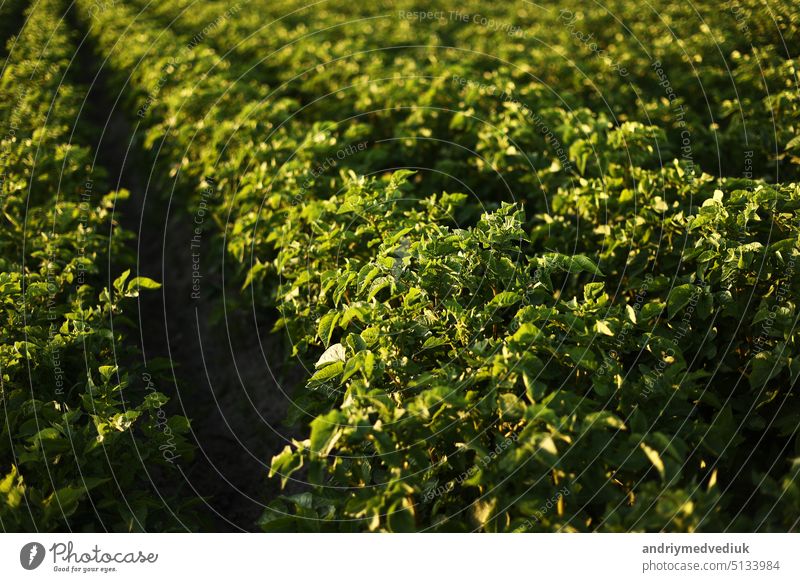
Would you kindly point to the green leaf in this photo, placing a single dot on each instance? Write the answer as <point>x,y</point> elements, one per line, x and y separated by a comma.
<point>352,366</point>
<point>284,464</point>
<point>604,419</point>
<point>119,282</point>
<point>47,434</point>
<point>370,335</point>
<point>327,373</point>
<point>504,299</point>
<point>602,327</point>
<point>434,342</point>
<point>793,143</point>
<point>630,312</point>
<point>650,310</point>
<point>526,334</point>
<point>654,458</point>
<point>354,312</point>
<point>335,353</point>
<point>325,431</point>
<point>580,263</point>
<point>369,364</point>
<point>107,371</point>
<point>326,326</point>
<point>366,277</point>
<point>400,518</point>
<point>355,342</point>
<point>763,368</point>
<point>142,283</point>
<point>64,501</point>
<point>593,290</point>
<point>378,285</point>
<point>679,298</point>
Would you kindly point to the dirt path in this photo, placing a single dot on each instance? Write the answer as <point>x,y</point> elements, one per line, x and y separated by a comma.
<point>219,376</point>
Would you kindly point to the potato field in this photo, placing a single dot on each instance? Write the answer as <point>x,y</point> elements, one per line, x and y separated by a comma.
<point>402,266</point>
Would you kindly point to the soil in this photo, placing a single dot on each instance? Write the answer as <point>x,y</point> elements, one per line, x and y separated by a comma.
<point>230,384</point>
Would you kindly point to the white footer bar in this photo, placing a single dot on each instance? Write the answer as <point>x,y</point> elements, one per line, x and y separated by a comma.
<point>421,557</point>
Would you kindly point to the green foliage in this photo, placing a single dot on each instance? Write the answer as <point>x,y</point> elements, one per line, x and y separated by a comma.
<point>598,336</point>
<point>84,432</point>
<point>480,340</point>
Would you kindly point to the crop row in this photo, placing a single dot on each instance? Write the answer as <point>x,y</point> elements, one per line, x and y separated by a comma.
<point>85,434</point>
<point>729,83</point>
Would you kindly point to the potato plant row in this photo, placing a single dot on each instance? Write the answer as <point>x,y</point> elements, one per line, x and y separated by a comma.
<point>86,436</point>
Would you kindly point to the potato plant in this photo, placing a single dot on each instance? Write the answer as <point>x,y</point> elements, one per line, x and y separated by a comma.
<point>444,343</point>
<point>82,438</point>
